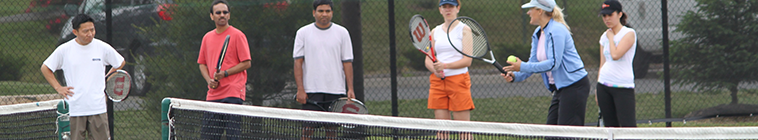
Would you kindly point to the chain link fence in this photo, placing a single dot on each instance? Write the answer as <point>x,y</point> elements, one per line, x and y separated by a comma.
<point>711,53</point>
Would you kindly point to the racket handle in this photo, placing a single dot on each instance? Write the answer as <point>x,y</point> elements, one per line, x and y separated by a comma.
<point>443,75</point>
<point>499,67</point>
<point>442,72</point>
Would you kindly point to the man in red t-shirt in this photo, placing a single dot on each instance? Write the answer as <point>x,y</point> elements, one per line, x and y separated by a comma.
<point>228,84</point>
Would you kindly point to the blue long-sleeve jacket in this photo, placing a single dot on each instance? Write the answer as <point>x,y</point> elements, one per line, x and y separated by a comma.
<point>563,60</point>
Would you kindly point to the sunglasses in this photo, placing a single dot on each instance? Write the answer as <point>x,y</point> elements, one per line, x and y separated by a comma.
<point>219,12</point>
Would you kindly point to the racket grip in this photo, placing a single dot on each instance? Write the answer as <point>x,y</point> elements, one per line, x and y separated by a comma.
<point>499,67</point>
<point>443,75</point>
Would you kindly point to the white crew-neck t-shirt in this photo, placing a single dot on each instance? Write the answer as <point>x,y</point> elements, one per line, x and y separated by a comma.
<point>84,69</point>
<point>324,51</point>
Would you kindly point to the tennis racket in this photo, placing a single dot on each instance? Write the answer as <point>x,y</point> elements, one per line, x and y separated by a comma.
<point>475,44</point>
<point>117,85</point>
<point>221,59</point>
<point>341,105</point>
<point>420,34</point>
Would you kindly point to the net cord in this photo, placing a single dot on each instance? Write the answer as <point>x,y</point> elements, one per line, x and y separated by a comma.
<point>477,127</point>
<point>28,107</point>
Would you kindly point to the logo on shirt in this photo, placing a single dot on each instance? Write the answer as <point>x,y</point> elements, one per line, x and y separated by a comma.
<point>95,59</point>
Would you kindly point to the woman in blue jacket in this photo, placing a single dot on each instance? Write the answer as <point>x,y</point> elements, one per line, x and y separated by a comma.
<point>554,56</point>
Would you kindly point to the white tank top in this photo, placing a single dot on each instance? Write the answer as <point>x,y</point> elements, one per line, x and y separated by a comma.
<point>618,73</point>
<point>445,52</point>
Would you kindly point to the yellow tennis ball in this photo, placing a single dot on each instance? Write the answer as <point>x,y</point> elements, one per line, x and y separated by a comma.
<point>512,58</point>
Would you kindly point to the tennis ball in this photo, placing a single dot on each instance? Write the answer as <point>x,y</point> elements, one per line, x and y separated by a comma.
<point>512,58</point>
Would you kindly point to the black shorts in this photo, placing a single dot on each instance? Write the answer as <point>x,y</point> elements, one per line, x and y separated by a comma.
<point>319,97</point>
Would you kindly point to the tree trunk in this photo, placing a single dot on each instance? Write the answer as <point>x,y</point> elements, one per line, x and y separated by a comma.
<point>733,91</point>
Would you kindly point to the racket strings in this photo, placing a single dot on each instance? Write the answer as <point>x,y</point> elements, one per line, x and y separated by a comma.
<point>478,40</point>
<point>348,107</point>
<point>118,85</point>
<point>420,34</point>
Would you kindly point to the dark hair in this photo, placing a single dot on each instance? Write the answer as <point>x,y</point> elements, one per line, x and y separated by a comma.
<point>316,3</point>
<point>221,1</point>
<point>623,20</point>
<point>79,19</point>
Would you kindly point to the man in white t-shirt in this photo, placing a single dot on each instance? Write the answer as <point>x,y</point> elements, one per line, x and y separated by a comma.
<point>84,59</point>
<point>323,56</point>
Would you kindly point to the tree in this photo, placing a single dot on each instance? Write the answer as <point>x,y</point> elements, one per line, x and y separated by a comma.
<point>719,49</point>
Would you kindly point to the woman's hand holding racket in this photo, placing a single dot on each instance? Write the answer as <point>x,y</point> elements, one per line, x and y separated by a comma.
<point>474,42</point>
<point>508,76</point>
<point>440,74</point>
<point>515,65</point>
<point>439,69</point>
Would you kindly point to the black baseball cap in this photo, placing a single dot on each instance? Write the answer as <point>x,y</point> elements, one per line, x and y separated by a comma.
<point>610,6</point>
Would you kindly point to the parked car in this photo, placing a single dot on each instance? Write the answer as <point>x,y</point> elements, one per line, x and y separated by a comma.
<point>645,17</point>
<point>52,11</point>
<point>127,16</point>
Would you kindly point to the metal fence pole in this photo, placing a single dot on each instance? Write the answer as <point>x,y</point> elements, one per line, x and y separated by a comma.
<point>393,52</point>
<point>351,18</point>
<point>109,39</point>
<point>666,76</point>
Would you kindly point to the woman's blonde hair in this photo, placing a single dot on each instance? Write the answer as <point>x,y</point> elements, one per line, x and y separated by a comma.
<point>557,15</point>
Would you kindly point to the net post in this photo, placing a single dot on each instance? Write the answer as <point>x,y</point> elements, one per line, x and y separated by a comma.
<point>165,105</point>
<point>63,129</point>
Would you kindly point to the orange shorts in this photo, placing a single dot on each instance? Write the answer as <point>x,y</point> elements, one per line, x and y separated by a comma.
<point>453,93</point>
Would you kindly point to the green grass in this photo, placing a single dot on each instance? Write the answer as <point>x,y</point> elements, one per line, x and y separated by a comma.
<point>136,124</point>
<point>698,123</point>
<point>534,110</point>
<point>24,88</point>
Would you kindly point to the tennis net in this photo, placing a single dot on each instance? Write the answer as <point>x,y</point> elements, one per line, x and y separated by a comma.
<point>189,119</point>
<point>29,121</point>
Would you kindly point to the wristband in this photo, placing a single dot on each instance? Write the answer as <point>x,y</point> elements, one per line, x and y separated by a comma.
<point>226,74</point>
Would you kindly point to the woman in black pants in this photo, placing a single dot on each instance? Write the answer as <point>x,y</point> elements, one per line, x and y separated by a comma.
<point>554,56</point>
<point>615,87</point>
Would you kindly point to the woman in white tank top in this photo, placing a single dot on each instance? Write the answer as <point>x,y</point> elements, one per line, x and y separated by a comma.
<point>450,83</point>
<point>615,88</point>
